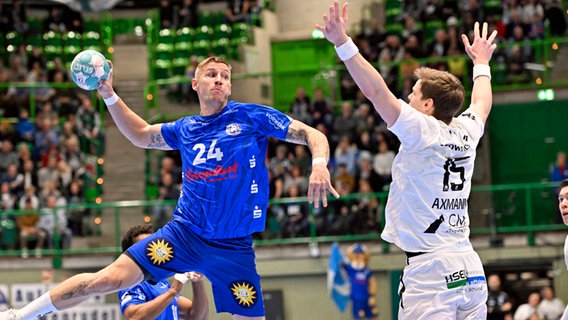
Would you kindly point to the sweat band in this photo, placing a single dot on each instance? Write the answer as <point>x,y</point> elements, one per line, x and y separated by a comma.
<point>481,70</point>
<point>111,100</point>
<point>347,50</point>
<point>319,160</point>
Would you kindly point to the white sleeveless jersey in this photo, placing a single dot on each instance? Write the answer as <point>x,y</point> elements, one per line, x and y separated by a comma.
<point>427,206</point>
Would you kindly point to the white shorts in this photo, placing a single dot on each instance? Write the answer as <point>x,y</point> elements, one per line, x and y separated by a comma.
<point>443,286</point>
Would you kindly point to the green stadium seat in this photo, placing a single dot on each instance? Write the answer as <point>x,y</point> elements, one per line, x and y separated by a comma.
<point>91,39</point>
<point>179,65</point>
<point>220,47</point>
<point>205,18</point>
<point>70,51</point>
<point>162,69</point>
<point>185,34</point>
<point>51,38</point>
<point>73,38</point>
<point>240,29</point>
<point>14,38</point>
<point>90,25</point>
<point>52,51</point>
<point>201,48</point>
<point>222,31</point>
<point>204,33</point>
<point>35,40</point>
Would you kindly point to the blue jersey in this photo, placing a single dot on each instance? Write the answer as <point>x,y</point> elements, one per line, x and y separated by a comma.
<point>144,292</point>
<point>359,282</point>
<point>225,188</point>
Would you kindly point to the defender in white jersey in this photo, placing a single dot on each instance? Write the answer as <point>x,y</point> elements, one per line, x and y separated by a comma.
<point>563,206</point>
<point>426,212</point>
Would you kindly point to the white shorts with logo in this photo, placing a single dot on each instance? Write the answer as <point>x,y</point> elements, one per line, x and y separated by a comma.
<point>443,286</point>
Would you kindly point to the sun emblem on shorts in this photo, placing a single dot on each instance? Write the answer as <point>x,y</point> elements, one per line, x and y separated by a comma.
<point>244,293</point>
<point>160,251</point>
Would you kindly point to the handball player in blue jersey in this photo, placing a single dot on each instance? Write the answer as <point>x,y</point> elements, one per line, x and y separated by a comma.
<point>223,199</point>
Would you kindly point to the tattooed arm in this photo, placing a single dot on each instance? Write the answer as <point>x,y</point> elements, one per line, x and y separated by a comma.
<point>320,180</point>
<point>134,128</point>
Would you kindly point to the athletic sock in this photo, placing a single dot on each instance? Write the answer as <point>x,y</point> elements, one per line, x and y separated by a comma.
<point>37,308</point>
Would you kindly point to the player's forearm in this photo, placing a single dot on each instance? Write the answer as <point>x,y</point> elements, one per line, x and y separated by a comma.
<point>152,309</point>
<point>481,96</point>
<point>300,133</point>
<point>200,304</point>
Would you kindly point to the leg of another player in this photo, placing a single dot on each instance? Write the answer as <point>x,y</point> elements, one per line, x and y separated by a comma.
<point>122,273</point>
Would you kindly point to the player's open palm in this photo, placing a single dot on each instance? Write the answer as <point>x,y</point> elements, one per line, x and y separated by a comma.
<point>319,185</point>
<point>334,24</point>
<point>481,50</point>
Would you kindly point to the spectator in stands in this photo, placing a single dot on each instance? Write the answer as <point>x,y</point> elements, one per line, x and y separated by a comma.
<point>344,124</point>
<point>321,109</point>
<point>166,14</point>
<point>188,14</point>
<point>300,108</point>
<point>392,52</point>
<point>90,126</point>
<point>440,44</point>
<point>48,189</point>
<point>36,56</point>
<point>76,215</point>
<point>7,131</point>
<point>528,310</point>
<point>19,17</point>
<point>14,179</point>
<point>346,152</point>
<point>295,178</point>
<point>73,20</point>
<point>46,137</point>
<point>167,190</point>
<point>64,99</point>
<point>368,50</point>
<point>237,11</point>
<point>168,166</point>
<point>515,62</point>
<point>515,20</point>
<point>21,56</point>
<point>382,161</point>
<point>296,222</point>
<point>550,307</point>
<point>25,128</point>
<point>413,46</point>
<point>302,159</point>
<point>29,174</point>
<point>74,158</point>
<point>29,194</point>
<point>365,142</point>
<point>343,220</point>
<point>54,20</point>
<point>499,306</point>
<point>188,93</point>
<point>7,198</point>
<point>411,28</point>
<point>457,62</point>
<point>366,209</point>
<point>280,164</point>
<point>365,171</point>
<point>556,17</point>
<point>53,222</point>
<point>341,175</point>
<point>7,155</point>
<point>64,176</point>
<point>27,224</point>
<point>49,172</point>
<point>5,19</point>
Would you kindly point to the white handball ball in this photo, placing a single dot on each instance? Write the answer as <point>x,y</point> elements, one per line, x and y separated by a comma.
<point>88,68</point>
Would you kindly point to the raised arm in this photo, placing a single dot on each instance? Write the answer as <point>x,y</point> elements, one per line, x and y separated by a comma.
<point>363,73</point>
<point>151,309</point>
<point>320,178</point>
<point>480,52</point>
<point>132,126</point>
<point>198,309</point>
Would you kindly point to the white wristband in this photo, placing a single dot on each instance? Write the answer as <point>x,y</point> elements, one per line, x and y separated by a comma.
<point>319,160</point>
<point>347,50</point>
<point>112,100</point>
<point>481,70</point>
<point>181,277</point>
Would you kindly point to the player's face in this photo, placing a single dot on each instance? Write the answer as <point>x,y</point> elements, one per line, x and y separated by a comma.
<point>416,100</point>
<point>563,204</point>
<point>213,82</point>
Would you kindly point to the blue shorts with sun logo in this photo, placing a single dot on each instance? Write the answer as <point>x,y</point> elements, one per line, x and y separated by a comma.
<point>227,263</point>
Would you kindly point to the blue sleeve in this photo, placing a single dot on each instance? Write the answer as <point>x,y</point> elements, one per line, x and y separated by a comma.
<point>170,133</point>
<point>270,121</point>
<point>130,296</point>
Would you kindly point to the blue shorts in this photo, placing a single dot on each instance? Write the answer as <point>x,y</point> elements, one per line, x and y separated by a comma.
<point>227,263</point>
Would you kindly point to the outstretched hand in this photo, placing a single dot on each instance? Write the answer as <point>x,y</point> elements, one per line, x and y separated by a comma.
<point>481,50</point>
<point>334,24</point>
<point>320,183</point>
<point>105,88</point>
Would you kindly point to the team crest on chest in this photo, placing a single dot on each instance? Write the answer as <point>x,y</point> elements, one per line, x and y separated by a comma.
<point>160,251</point>
<point>244,293</point>
<point>233,129</point>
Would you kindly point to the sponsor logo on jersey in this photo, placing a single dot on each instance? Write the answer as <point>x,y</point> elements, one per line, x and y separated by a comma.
<point>468,115</point>
<point>217,174</point>
<point>244,293</point>
<point>160,251</point>
<point>456,279</point>
<point>275,122</point>
<point>233,129</point>
<point>476,280</point>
